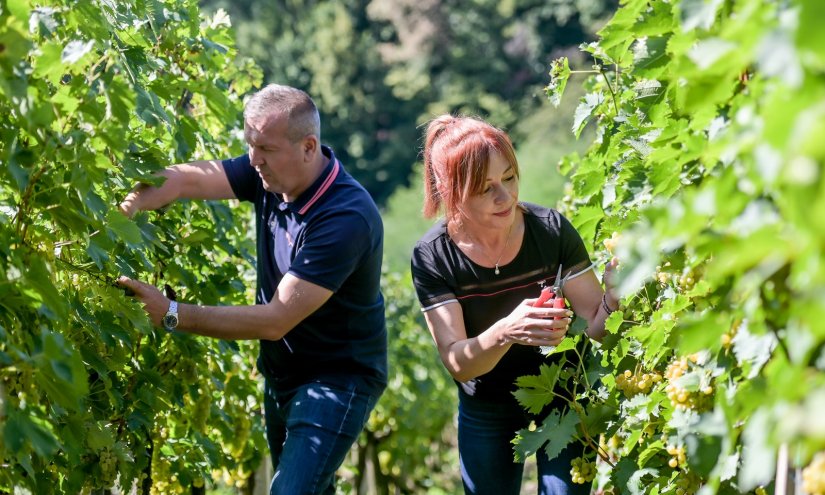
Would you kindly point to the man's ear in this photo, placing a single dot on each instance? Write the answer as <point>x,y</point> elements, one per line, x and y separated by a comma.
<point>310,146</point>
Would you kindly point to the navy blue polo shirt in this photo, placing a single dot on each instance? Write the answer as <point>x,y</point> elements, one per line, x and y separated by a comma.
<point>332,236</point>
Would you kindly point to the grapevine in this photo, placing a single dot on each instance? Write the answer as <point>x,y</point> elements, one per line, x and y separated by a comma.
<point>91,94</point>
<point>692,184</point>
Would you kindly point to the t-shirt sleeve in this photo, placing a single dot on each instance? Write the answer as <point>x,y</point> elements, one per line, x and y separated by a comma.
<point>573,254</point>
<point>431,286</point>
<point>242,177</point>
<point>333,247</point>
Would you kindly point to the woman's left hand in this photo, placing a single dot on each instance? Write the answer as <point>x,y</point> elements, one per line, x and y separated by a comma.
<point>610,282</point>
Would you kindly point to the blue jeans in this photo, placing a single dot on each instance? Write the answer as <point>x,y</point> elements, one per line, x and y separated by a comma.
<point>310,429</point>
<point>485,434</point>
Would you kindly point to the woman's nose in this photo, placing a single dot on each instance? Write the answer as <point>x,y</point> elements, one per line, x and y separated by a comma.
<point>501,193</point>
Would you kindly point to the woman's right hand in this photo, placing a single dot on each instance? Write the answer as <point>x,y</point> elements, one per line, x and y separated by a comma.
<point>536,326</point>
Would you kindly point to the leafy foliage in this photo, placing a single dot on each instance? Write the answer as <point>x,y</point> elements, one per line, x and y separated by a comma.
<point>703,180</point>
<point>97,95</point>
<point>407,438</point>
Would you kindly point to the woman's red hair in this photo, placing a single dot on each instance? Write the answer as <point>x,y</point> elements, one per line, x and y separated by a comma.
<point>457,154</point>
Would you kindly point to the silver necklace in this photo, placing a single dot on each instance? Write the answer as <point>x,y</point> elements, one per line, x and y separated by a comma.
<point>504,250</point>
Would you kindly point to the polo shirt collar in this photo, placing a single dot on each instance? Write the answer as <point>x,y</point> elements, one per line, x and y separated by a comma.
<point>318,188</point>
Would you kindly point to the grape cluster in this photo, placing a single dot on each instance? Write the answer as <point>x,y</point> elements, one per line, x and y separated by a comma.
<point>237,477</point>
<point>677,456</point>
<point>200,413</point>
<point>240,435</point>
<point>108,467</point>
<point>164,482</point>
<point>813,476</point>
<point>632,384</point>
<point>685,280</point>
<point>687,483</point>
<point>680,397</point>
<point>582,471</point>
<point>662,276</point>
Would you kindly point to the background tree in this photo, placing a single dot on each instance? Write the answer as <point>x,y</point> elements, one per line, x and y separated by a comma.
<point>379,69</point>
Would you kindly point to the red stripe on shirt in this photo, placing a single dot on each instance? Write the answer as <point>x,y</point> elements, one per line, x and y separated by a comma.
<point>321,190</point>
<point>499,292</point>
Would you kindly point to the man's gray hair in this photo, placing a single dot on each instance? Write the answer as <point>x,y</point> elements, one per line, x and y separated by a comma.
<point>302,114</point>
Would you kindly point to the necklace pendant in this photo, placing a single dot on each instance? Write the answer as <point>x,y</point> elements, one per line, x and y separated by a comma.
<point>497,270</point>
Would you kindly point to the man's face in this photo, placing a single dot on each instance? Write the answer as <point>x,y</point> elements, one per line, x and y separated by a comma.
<point>278,161</point>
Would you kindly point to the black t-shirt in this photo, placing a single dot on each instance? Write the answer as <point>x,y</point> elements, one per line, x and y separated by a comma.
<point>332,236</point>
<point>442,273</point>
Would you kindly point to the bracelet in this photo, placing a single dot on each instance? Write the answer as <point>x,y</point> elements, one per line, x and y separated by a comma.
<point>605,306</point>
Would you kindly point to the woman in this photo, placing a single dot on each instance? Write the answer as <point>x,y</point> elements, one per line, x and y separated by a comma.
<point>477,274</point>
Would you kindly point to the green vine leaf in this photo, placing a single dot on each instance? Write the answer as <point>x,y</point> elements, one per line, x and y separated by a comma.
<point>559,74</point>
<point>536,391</point>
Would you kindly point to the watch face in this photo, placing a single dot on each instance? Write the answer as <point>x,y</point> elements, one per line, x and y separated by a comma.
<point>170,321</point>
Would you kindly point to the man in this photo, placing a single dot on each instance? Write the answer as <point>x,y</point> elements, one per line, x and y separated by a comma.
<point>320,313</point>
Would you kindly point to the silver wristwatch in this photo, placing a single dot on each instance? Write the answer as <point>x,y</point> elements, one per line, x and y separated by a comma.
<point>170,319</point>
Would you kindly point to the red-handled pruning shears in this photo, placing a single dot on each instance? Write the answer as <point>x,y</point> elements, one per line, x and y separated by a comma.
<point>555,292</point>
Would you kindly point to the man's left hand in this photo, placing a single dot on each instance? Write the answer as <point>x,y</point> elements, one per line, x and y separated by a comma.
<point>154,302</point>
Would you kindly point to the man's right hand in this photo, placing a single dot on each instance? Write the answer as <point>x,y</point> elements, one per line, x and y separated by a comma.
<point>129,205</point>
<point>196,180</point>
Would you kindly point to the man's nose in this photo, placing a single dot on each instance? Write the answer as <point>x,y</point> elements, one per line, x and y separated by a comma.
<point>254,157</point>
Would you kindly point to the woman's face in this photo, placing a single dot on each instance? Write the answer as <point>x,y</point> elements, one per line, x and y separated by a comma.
<point>495,205</point>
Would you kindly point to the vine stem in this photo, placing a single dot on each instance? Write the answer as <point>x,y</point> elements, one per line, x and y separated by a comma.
<point>610,88</point>
<point>595,446</point>
<point>781,343</point>
<point>103,278</point>
<point>21,226</point>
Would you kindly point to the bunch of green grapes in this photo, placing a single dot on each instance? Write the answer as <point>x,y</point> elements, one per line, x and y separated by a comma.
<point>200,412</point>
<point>813,476</point>
<point>677,456</point>
<point>684,280</point>
<point>680,397</point>
<point>687,483</point>
<point>108,468</point>
<point>237,477</point>
<point>240,435</point>
<point>634,383</point>
<point>663,276</point>
<point>582,471</point>
<point>164,481</point>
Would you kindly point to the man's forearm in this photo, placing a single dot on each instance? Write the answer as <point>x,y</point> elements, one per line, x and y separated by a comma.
<point>231,322</point>
<point>146,197</point>
<point>204,179</point>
